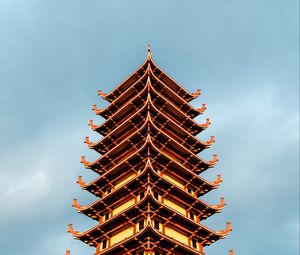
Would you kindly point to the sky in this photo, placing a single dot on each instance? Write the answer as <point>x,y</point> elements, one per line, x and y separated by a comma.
<point>55,55</point>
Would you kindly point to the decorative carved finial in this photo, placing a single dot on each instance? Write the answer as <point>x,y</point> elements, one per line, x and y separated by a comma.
<point>197,93</point>
<point>76,205</point>
<point>68,252</point>
<point>83,161</point>
<point>202,109</point>
<point>218,180</point>
<point>87,140</point>
<point>92,125</point>
<point>101,94</point>
<point>228,228</point>
<point>80,181</point>
<point>211,140</point>
<point>215,159</point>
<point>95,109</point>
<point>231,252</point>
<point>221,204</point>
<point>206,124</point>
<point>71,230</point>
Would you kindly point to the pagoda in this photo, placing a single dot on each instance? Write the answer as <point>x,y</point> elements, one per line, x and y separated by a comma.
<point>149,186</point>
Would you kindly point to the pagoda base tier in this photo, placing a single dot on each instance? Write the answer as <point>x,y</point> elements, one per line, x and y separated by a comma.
<point>150,242</point>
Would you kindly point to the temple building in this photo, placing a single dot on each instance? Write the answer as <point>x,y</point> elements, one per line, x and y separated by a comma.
<point>149,187</point>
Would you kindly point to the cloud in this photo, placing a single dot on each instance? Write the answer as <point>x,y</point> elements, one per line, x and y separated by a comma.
<point>23,191</point>
<point>244,56</point>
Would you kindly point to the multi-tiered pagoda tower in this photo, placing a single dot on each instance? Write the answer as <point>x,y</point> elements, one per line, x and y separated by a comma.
<point>149,186</point>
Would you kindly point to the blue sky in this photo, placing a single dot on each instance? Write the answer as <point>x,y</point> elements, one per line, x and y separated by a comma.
<point>54,55</point>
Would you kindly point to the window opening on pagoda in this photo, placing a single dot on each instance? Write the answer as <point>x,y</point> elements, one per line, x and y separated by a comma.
<point>194,243</point>
<point>104,244</point>
<point>108,190</point>
<point>156,224</point>
<point>106,216</point>
<point>189,190</point>
<point>141,225</point>
<point>192,216</point>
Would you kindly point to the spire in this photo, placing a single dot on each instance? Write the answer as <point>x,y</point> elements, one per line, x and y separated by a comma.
<point>149,56</point>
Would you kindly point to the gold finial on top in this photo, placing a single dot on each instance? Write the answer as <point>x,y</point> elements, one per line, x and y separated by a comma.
<point>149,52</point>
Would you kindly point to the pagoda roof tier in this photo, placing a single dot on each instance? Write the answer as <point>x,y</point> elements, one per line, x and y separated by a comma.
<point>171,110</point>
<point>120,132</point>
<point>161,104</point>
<point>166,79</point>
<point>148,149</point>
<point>170,146</point>
<point>188,179</point>
<point>188,125</point>
<point>171,83</point>
<point>149,239</point>
<point>134,186</point>
<point>184,135</point>
<point>124,98</point>
<point>155,138</point>
<point>129,145</point>
<point>160,88</point>
<point>133,123</point>
<point>150,207</point>
<point>160,244</point>
<point>126,130</point>
<point>173,97</point>
<point>126,111</point>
